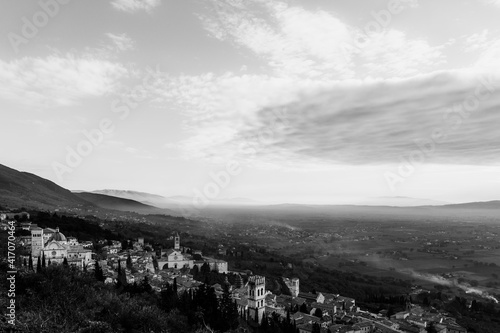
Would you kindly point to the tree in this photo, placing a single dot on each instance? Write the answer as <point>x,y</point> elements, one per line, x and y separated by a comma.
<point>145,286</point>
<point>38,265</point>
<point>98,273</point>
<point>195,271</point>
<point>49,263</point>
<point>318,313</point>
<point>30,263</point>
<point>168,298</point>
<point>316,328</point>
<point>303,308</point>
<point>43,261</point>
<point>264,325</point>
<point>205,268</point>
<point>129,262</point>
<point>155,263</point>
<point>121,281</point>
<point>174,285</point>
<point>228,310</point>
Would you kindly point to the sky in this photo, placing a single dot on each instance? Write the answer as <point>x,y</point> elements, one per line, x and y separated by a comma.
<point>317,101</point>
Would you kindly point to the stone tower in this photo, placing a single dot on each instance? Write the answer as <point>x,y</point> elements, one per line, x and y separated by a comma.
<point>295,287</point>
<point>36,241</point>
<point>177,242</point>
<point>256,297</point>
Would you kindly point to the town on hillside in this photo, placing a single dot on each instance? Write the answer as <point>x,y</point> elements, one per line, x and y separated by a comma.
<point>181,267</point>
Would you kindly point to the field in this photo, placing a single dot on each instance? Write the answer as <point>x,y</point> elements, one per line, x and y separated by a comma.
<point>456,251</point>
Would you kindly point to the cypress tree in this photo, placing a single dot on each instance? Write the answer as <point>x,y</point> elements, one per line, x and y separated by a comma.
<point>145,286</point>
<point>43,261</point>
<point>129,262</point>
<point>264,325</point>
<point>155,263</point>
<point>122,277</point>
<point>38,265</point>
<point>65,262</point>
<point>98,273</point>
<point>30,263</point>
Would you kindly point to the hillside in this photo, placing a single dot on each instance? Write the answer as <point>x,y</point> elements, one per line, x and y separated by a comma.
<point>120,204</point>
<point>495,205</point>
<point>142,197</point>
<point>22,189</point>
<point>172,202</point>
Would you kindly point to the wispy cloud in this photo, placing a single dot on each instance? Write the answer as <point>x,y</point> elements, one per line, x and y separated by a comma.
<point>495,3</point>
<point>121,42</point>
<point>58,80</point>
<point>132,6</point>
<point>316,44</point>
<point>379,122</point>
<point>352,122</point>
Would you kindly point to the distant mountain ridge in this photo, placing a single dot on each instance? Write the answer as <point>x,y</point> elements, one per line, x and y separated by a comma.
<point>120,204</point>
<point>495,204</point>
<point>400,201</point>
<point>145,198</point>
<point>172,202</point>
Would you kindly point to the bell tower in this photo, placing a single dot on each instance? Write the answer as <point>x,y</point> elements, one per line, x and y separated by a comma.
<point>256,297</point>
<point>177,242</point>
<point>295,287</point>
<point>36,241</point>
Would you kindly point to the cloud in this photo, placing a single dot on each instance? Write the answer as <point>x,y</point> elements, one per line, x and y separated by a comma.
<point>132,6</point>
<point>487,48</point>
<point>121,42</point>
<point>315,44</point>
<point>495,3</point>
<point>292,41</point>
<point>283,122</point>
<point>58,80</point>
<point>380,122</point>
<point>334,94</point>
<point>477,41</point>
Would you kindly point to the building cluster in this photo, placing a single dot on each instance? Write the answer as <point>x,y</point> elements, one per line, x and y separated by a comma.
<point>166,266</point>
<point>52,245</point>
<point>332,312</point>
<point>177,259</point>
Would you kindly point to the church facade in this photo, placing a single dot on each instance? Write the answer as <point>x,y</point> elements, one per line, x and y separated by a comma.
<point>174,258</point>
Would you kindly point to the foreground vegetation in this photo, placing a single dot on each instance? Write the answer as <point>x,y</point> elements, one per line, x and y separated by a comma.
<point>65,299</point>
